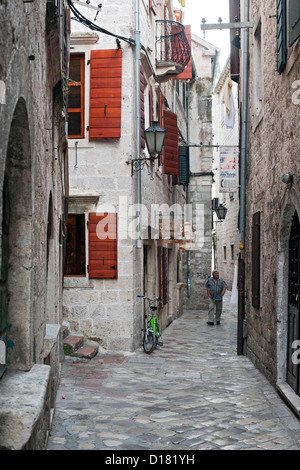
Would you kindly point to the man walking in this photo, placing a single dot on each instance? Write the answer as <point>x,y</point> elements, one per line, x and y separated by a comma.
<point>216,288</point>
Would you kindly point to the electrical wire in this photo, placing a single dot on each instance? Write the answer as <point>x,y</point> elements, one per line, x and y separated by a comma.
<point>82,19</point>
<point>89,24</point>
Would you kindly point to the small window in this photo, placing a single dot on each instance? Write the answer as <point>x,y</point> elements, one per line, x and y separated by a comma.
<point>76,97</point>
<point>75,247</point>
<point>224,253</point>
<point>232,252</point>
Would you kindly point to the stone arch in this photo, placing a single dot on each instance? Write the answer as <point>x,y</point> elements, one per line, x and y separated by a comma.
<point>17,216</point>
<point>290,204</point>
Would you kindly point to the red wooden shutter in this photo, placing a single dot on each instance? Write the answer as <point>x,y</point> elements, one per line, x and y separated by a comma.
<point>171,143</point>
<point>187,73</point>
<point>159,114</point>
<point>150,106</point>
<point>103,260</point>
<point>142,106</point>
<point>105,94</point>
<point>152,6</point>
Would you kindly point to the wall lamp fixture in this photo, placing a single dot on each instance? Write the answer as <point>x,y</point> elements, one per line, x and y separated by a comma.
<point>155,138</point>
<point>221,212</point>
<point>288,178</point>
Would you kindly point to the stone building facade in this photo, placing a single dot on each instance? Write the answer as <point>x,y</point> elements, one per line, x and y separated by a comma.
<point>271,332</point>
<point>33,180</point>
<point>198,263</point>
<point>103,304</point>
<point>104,175</point>
<point>226,238</point>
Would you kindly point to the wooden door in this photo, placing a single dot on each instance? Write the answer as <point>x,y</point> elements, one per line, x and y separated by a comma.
<point>293,369</point>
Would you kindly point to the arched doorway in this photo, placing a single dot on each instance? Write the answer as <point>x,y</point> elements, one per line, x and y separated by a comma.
<point>293,323</point>
<point>16,265</point>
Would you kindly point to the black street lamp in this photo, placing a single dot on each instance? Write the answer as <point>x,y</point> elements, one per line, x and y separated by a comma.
<point>221,212</point>
<point>155,137</point>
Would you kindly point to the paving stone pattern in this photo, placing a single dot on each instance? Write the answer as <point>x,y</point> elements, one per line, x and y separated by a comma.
<point>193,393</point>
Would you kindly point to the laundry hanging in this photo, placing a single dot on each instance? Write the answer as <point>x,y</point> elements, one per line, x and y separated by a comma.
<point>229,104</point>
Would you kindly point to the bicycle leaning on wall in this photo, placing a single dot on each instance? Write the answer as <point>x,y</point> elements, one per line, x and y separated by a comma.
<point>151,331</point>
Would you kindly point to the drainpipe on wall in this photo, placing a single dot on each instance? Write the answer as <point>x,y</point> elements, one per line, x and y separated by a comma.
<point>188,200</point>
<point>137,53</point>
<point>243,158</point>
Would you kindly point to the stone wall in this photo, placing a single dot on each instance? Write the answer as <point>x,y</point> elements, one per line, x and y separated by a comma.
<point>274,144</point>
<point>227,233</point>
<point>200,188</point>
<point>33,184</point>
<point>108,310</point>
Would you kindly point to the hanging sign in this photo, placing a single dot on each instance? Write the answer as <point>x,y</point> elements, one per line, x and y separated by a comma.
<point>228,169</point>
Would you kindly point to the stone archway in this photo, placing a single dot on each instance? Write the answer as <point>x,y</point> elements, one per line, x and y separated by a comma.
<point>290,205</point>
<point>17,250</point>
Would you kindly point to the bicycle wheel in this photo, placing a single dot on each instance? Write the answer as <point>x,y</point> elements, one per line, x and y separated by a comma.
<point>149,342</point>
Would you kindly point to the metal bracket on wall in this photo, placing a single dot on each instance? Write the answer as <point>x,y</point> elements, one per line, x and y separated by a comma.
<point>234,25</point>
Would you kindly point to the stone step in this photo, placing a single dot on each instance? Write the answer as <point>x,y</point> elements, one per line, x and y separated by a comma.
<point>87,351</point>
<point>72,343</point>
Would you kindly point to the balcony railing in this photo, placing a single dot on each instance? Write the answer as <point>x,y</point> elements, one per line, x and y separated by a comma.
<point>173,51</point>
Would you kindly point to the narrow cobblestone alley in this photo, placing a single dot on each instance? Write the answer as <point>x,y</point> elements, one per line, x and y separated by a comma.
<point>194,393</point>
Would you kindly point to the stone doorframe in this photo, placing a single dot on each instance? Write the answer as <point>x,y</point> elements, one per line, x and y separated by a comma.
<point>291,202</point>
<point>19,270</point>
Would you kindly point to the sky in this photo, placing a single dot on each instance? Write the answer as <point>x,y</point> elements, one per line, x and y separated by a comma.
<point>211,10</point>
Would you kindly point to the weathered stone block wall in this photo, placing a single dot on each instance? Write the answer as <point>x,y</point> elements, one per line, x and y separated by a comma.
<point>227,233</point>
<point>32,142</point>
<point>108,310</point>
<point>274,143</point>
<point>200,129</point>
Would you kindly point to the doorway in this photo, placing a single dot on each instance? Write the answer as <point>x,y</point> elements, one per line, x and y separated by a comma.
<point>16,270</point>
<point>293,323</point>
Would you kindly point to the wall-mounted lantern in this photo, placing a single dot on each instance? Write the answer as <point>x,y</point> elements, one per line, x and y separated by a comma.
<point>221,212</point>
<point>155,137</point>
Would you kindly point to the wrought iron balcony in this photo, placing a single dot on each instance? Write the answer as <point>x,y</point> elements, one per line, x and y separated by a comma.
<point>173,51</point>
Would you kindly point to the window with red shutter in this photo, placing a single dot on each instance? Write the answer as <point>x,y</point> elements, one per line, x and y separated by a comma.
<point>153,6</point>
<point>76,97</point>
<point>159,112</point>
<point>103,240</point>
<point>105,94</point>
<point>170,151</point>
<point>75,246</point>
<point>150,106</point>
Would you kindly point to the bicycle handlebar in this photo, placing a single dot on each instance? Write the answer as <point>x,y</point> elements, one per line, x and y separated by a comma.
<point>147,298</point>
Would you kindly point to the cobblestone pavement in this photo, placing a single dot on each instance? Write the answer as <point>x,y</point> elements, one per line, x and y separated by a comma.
<point>193,393</point>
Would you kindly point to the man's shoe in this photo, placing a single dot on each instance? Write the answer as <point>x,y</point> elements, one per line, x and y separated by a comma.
<point>218,323</point>
<point>210,322</point>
